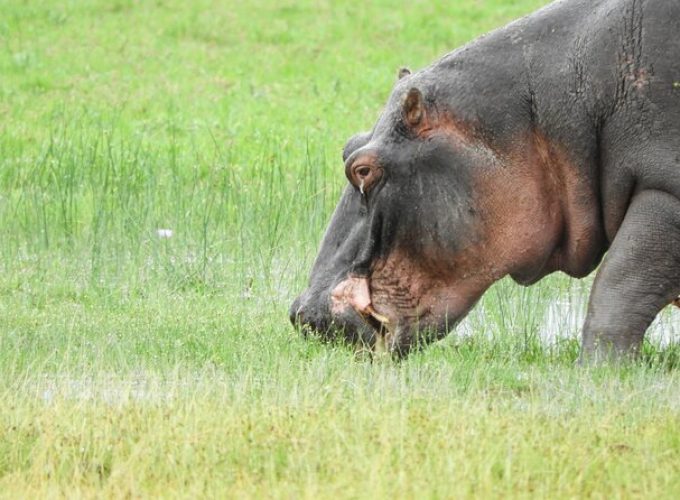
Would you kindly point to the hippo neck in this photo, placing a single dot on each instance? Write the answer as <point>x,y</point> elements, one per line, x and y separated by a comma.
<point>580,241</point>
<point>540,213</point>
<point>518,88</point>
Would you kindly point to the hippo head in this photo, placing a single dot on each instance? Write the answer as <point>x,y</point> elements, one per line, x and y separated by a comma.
<point>432,216</point>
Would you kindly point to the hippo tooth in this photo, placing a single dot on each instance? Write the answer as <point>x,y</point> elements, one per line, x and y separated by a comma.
<point>382,319</point>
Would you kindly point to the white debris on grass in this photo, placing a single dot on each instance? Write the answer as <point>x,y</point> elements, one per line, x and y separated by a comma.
<point>164,233</point>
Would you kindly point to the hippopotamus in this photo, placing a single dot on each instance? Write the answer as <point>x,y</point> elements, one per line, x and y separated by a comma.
<point>551,144</point>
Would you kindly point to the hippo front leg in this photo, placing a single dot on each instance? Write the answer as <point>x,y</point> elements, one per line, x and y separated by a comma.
<point>639,276</point>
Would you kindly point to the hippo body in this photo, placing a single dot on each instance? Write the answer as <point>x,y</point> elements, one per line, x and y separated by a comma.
<point>536,148</point>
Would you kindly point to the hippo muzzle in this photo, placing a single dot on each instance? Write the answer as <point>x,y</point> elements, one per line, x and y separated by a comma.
<point>319,314</point>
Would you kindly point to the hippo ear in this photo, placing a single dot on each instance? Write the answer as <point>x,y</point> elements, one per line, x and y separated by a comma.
<point>403,72</point>
<point>413,108</point>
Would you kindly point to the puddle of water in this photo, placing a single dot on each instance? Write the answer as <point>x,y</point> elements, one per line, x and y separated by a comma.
<point>563,318</point>
<point>114,390</point>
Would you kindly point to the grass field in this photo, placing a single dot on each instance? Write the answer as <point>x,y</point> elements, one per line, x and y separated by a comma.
<point>136,364</point>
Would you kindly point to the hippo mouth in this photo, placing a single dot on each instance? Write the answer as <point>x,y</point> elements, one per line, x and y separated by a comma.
<point>312,315</point>
<point>395,331</point>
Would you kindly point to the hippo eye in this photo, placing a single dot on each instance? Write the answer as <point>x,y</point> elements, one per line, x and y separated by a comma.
<point>364,176</point>
<point>363,172</point>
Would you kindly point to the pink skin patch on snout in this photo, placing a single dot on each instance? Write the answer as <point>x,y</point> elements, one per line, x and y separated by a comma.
<point>352,292</point>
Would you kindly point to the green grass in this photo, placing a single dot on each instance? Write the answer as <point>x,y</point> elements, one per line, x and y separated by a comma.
<point>133,365</point>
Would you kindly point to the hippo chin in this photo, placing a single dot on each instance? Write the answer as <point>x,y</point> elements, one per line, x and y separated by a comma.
<point>536,148</point>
